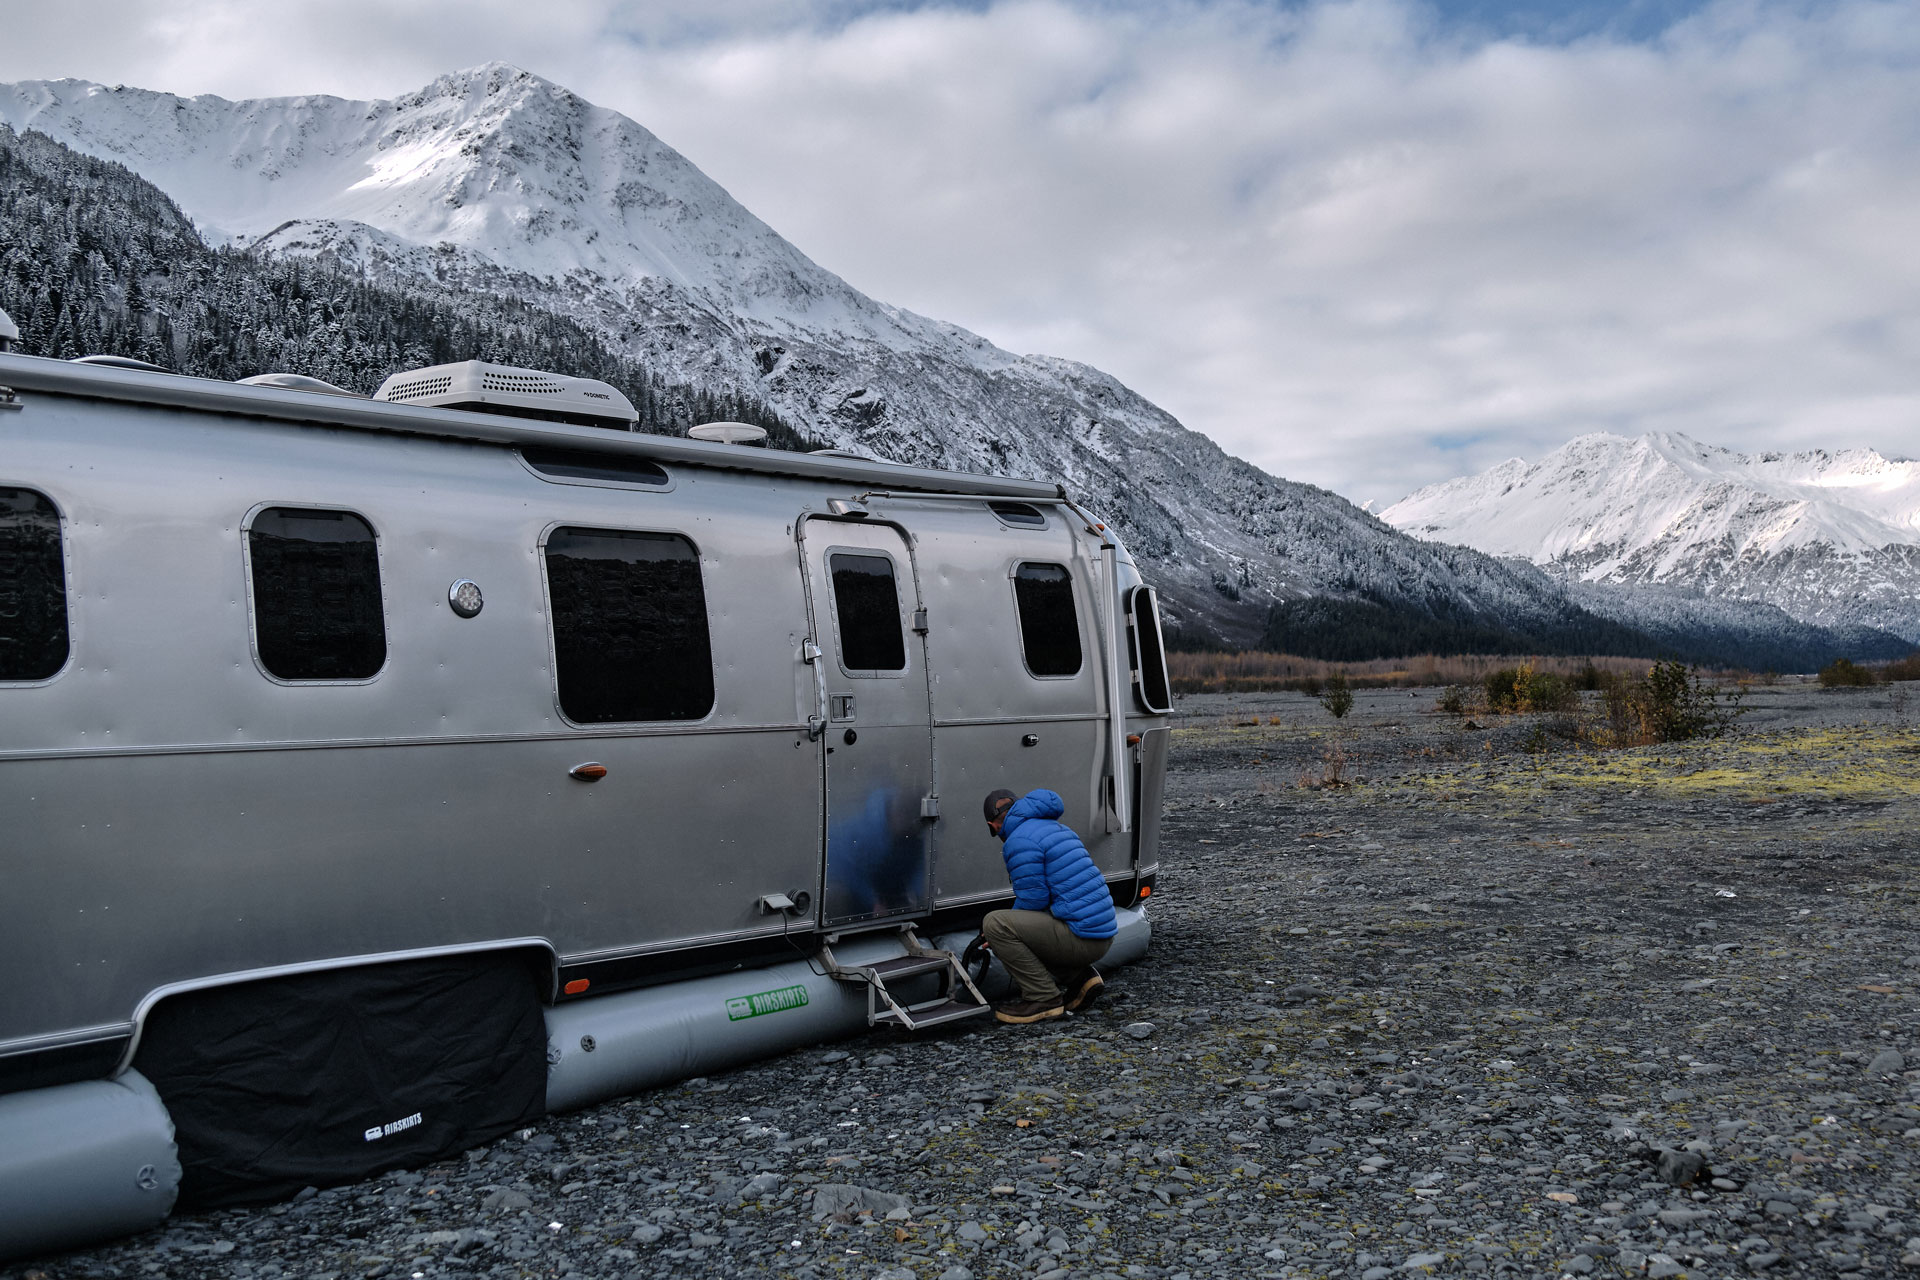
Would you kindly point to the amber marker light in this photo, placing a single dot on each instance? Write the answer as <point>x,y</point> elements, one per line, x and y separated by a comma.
<point>578,985</point>
<point>589,772</point>
<point>1146,891</point>
<point>1133,739</point>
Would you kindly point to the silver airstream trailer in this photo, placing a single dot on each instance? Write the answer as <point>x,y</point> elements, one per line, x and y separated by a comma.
<point>379,774</point>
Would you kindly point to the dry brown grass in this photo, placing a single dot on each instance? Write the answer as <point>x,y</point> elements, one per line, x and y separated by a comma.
<point>1907,668</point>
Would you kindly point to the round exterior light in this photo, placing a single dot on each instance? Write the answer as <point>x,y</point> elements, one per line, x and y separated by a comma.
<point>464,597</point>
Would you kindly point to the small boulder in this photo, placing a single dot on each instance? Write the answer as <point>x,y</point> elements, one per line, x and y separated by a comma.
<point>834,1198</point>
<point>1887,1062</point>
<point>1682,1168</point>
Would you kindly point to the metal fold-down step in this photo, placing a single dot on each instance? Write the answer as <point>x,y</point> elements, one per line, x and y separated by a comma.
<point>957,998</point>
<point>923,1016</point>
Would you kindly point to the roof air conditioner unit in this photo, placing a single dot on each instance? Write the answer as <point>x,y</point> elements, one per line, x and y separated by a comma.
<point>480,387</point>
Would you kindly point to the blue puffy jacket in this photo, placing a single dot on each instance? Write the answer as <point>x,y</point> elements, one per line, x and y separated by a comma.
<point>1050,868</point>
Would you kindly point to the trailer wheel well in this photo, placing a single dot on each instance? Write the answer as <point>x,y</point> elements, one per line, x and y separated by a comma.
<point>542,961</point>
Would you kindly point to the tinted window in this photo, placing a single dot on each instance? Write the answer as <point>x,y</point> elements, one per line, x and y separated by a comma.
<point>1049,628</point>
<point>1019,513</point>
<point>316,594</point>
<point>582,464</point>
<point>868,609</point>
<point>629,626</point>
<point>33,588</point>
<point>1150,655</point>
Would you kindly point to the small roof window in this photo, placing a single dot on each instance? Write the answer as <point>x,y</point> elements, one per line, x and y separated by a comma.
<point>1019,514</point>
<point>585,465</point>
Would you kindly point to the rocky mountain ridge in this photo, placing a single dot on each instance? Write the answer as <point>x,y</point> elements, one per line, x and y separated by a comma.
<point>495,183</point>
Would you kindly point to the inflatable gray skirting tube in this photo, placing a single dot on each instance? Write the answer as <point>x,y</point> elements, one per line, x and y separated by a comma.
<point>621,1044</point>
<point>82,1163</point>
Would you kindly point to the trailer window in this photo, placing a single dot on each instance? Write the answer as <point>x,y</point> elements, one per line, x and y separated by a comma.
<point>629,626</point>
<point>1049,627</point>
<point>33,588</point>
<point>1019,513</point>
<point>866,604</point>
<point>580,464</point>
<point>1149,653</point>
<point>317,609</point>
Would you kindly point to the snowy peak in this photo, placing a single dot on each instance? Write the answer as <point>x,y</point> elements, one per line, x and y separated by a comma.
<point>1665,508</point>
<point>494,161</point>
<point>1601,497</point>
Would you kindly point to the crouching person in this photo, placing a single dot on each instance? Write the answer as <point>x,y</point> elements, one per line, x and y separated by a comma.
<point>1062,917</point>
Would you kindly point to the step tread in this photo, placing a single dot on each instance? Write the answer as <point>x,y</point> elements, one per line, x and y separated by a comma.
<point>899,967</point>
<point>951,1011</point>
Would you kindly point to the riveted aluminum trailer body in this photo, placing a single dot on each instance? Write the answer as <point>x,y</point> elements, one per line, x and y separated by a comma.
<point>181,816</point>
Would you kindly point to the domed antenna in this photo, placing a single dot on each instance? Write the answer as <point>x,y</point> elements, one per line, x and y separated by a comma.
<point>728,433</point>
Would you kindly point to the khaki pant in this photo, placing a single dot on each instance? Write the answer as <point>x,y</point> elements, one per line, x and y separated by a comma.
<point>1039,950</point>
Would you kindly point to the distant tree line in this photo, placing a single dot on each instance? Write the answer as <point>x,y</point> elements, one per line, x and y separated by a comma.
<point>1372,626</point>
<point>96,260</point>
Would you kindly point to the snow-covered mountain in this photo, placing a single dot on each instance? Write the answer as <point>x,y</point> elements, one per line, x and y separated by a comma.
<point>1830,538</point>
<point>496,182</point>
<point>494,179</point>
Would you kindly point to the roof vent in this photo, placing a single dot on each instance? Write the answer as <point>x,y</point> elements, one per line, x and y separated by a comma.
<point>728,433</point>
<point>9,332</point>
<point>479,387</point>
<point>120,362</point>
<point>298,382</point>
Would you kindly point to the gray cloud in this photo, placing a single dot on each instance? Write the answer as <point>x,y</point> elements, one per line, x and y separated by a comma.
<point>1349,242</point>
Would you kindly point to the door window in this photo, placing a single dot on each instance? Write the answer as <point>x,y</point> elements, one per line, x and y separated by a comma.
<point>866,605</point>
<point>1049,626</point>
<point>630,634</point>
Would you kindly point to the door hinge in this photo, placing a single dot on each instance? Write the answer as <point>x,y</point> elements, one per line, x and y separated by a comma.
<point>920,622</point>
<point>930,807</point>
<point>809,652</point>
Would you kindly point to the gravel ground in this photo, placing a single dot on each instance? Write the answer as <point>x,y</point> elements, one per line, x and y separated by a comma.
<point>1488,1004</point>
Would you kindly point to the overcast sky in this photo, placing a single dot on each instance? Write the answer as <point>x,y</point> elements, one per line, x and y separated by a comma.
<point>1368,244</point>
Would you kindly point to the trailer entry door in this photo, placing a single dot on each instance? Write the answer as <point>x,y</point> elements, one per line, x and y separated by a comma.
<point>876,721</point>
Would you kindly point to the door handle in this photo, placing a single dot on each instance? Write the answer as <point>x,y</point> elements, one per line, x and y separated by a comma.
<point>816,723</point>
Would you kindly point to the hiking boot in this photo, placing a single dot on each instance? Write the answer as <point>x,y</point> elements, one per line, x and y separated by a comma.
<point>1028,1010</point>
<point>1083,989</point>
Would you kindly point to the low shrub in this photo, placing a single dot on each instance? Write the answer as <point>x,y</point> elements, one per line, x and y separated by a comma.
<point>1522,689</point>
<point>1337,698</point>
<point>1842,674</point>
<point>1590,678</point>
<point>1452,700</point>
<point>1670,704</point>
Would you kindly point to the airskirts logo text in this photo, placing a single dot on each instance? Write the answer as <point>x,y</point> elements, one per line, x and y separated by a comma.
<point>392,1127</point>
<point>765,1002</point>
